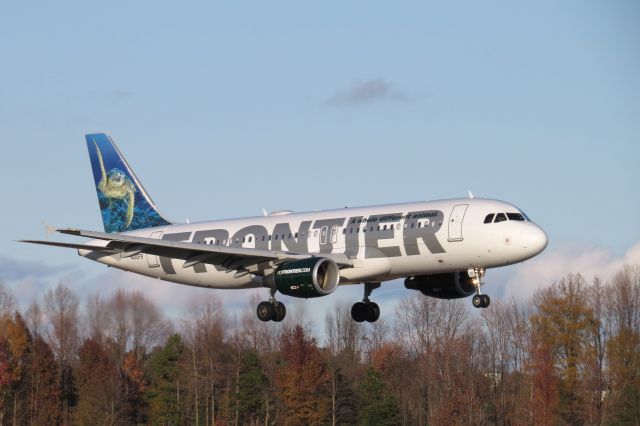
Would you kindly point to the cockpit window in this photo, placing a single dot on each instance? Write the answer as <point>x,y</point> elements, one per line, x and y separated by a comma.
<point>489,218</point>
<point>515,216</point>
<point>525,216</point>
<point>500,217</point>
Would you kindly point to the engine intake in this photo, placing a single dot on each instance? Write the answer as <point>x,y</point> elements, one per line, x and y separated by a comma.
<point>313,277</point>
<point>454,285</point>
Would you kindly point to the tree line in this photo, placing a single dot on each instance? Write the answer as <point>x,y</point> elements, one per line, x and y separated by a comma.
<point>568,355</point>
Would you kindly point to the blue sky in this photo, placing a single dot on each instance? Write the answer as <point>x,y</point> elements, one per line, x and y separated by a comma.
<point>223,109</point>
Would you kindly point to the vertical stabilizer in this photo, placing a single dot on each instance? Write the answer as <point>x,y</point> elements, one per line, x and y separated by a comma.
<point>124,203</point>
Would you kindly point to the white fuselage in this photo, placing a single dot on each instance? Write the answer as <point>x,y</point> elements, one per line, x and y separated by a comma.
<point>385,242</point>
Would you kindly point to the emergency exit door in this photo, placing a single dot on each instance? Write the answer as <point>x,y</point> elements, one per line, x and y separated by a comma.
<point>455,222</point>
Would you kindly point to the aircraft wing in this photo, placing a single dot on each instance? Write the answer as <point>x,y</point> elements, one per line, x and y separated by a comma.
<point>231,258</point>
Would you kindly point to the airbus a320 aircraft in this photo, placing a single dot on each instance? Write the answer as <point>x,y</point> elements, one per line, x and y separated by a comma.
<point>442,248</point>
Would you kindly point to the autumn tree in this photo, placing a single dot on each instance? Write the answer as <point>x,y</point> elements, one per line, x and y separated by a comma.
<point>99,390</point>
<point>44,385</point>
<point>623,306</point>
<point>563,326</point>
<point>15,344</point>
<point>302,378</point>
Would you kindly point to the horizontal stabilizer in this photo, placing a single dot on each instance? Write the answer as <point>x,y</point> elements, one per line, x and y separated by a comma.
<point>72,245</point>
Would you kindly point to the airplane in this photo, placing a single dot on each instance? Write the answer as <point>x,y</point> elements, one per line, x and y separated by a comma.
<point>441,248</point>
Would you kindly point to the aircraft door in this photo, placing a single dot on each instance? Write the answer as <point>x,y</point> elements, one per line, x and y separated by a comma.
<point>334,234</point>
<point>455,222</point>
<point>323,234</point>
<point>152,259</point>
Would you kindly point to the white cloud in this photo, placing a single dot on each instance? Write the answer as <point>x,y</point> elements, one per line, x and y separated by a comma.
<point>589,261</point>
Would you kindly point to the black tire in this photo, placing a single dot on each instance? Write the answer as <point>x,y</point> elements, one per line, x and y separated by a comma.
<point>279,311</point>
<point>265,311</point>
<point>478,301</point>
<point>373,312</point>
<point>358,311</point>
<point>486,300</point>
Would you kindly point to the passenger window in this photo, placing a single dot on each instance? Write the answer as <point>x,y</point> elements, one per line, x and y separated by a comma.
<point>296,235</point>
<point>250,238</point>
<point>500,217</point>
<point>275,237</point>
<point>515,216</point>
<point>419,224</point>
<point>263,238</point>
<point>489,218</point>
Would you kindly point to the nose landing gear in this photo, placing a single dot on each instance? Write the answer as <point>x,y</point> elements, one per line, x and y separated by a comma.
<point>271,310</point>
<point>366,310</point>
<point>479,300</point>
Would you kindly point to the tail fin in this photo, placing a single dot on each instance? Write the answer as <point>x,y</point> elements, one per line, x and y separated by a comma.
<point>124,203</point>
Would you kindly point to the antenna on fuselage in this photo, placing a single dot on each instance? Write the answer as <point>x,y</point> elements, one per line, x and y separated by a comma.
<point>470,193</point>
<point>264,212</point>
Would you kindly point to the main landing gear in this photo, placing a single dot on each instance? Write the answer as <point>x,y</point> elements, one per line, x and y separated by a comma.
<point>271,310</point>
<point>366,310</point>
<point>479,300</point>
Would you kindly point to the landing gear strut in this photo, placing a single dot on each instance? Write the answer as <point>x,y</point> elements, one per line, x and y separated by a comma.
<point>366,310</point>
<point>479,300</point>
<point>271,310</point>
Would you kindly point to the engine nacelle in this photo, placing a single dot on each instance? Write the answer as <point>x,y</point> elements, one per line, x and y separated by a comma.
<point>313,277</point>
<point>455,285</point>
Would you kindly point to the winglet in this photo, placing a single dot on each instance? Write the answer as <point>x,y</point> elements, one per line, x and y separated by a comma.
<point>49,228</point>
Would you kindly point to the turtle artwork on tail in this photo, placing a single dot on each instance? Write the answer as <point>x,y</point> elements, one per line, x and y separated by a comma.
<point>116,185</point>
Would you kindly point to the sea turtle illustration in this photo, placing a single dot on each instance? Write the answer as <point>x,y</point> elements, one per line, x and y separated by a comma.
<point>116,185</point>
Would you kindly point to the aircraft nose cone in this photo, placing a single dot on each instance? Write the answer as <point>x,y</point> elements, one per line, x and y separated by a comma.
<point>536,240</point>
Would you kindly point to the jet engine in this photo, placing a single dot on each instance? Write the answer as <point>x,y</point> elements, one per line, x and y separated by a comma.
<point>454,285</point>
<point>313,277</point>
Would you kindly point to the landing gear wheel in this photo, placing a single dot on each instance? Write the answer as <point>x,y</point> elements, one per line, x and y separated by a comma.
<point>265,311</point>
<point>478,301</point>
<point>485,300</point>
<point>359,312</point>
<point>373,312</point>
<point>279,311</point>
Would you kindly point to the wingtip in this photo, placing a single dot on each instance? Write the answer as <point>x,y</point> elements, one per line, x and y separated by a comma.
<point>50,229</point>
